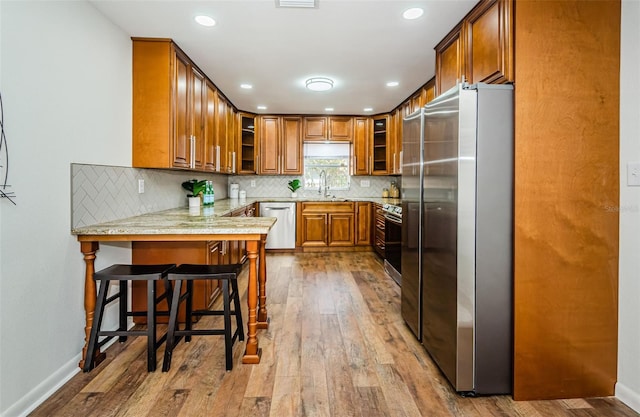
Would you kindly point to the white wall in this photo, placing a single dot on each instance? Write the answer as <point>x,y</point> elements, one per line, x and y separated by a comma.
<point>628,385</point>
<point>66,87</point>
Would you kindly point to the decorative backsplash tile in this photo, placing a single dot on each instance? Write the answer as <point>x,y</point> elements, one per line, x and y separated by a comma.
<point>102,193</point>
<point>276,186</point>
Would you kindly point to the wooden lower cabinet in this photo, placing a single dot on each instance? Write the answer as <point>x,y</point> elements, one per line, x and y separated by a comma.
<point>330,224</point>
<point>204,291</point>
<point>364,224</point>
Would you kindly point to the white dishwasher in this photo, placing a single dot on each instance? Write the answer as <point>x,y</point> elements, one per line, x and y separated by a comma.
<point>283,233</point>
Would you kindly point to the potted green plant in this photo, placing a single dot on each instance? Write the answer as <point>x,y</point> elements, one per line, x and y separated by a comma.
<point>294,185</point>
<point>195,188</point>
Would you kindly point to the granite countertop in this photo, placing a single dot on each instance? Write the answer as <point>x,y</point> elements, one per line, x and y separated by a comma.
<point>203,220</point>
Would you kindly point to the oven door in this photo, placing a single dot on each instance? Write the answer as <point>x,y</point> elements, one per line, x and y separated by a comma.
<point>393,247</point>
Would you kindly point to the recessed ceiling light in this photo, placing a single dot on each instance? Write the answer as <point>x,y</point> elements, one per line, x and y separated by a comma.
<point>367,109</point>
<point>246,86</point>
<point>328,109</point>
<point>392,84</point>
<point>412,13</point>
<point>262,107</point>
<point>319,83</point>
<point>205,20</point>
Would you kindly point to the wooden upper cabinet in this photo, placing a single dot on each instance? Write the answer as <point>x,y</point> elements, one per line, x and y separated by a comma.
<point>269,144</point>
<point>340,128</point>
<point>430,90</point>
<point>232,117</point>
<point>181,132</point>
<point>417,100</point>
<point>280,143</point>
<point>169,100</point>
<point>381,158</point>
<point>198,108</point>
<point>315,128</point>
<point>291,147</point>
<point>489,42</point>
<point>211,101</point>
<point>450,60</point>
<point>246,147</point>
<point>221,138</point>
<point>333,128</point>
<point>361,147</point>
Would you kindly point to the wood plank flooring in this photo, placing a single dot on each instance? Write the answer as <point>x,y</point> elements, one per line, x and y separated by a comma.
<point>336,346</point>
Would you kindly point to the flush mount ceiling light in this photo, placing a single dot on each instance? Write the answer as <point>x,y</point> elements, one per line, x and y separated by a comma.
<point>296,3</point>
<point>319,84</point>
<point>412,13</point>
<point>392,84</point>
<point>205,20</point>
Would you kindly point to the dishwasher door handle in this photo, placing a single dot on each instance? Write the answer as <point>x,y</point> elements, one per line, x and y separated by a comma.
<point>276,208</point>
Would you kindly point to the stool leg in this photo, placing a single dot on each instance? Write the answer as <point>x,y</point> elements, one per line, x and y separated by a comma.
<point>122,302</point>
<point>228,353</point>
<point>95,328</point>
<point>189,313</point>
<point>238,309</point>
<point>173,322</point>
<point>151,325</point>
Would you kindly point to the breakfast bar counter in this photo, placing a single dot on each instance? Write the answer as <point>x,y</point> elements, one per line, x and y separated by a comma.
<point>181,225</point>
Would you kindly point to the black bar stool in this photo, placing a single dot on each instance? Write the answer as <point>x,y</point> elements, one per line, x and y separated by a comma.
<point>123,274</point>
<point>227,274</point>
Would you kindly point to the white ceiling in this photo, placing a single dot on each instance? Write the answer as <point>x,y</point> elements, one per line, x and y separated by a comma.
<point>360,44</point>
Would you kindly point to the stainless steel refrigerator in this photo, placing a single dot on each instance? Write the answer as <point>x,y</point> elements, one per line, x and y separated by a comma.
<point>457,237</point>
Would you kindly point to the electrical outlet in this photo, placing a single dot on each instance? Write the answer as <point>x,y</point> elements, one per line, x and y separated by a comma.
<point>364,183</point>
<point>253,183</point>
<point>140,186</point>
<point>633,173</point>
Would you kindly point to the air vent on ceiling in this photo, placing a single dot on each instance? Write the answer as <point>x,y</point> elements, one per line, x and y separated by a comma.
<point>296,3</point>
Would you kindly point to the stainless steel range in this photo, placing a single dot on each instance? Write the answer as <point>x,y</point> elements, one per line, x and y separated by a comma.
<point>393,241</point>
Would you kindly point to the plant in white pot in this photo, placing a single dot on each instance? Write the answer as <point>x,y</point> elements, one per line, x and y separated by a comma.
<point>294,185</point>
<point>195,188</point>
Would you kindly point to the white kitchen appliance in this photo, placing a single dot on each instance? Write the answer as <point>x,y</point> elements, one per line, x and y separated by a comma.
<point>283,234</point>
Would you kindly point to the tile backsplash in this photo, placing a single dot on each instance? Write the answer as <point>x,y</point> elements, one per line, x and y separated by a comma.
<point>276,186</point>
<point>101,193</point>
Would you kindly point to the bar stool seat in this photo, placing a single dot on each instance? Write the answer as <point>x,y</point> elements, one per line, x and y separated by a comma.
<point>123,274</point>
<point>228,275</point>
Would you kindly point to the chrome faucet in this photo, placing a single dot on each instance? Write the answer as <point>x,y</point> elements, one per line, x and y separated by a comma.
<point>323,172</point>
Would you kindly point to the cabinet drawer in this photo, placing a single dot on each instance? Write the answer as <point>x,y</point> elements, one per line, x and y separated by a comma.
<point>329,207</point>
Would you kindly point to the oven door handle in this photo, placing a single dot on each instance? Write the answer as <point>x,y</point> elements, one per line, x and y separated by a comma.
<point>393,220</point>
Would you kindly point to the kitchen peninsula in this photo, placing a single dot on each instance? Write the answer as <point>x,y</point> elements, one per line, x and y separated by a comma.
<point>183,225</point>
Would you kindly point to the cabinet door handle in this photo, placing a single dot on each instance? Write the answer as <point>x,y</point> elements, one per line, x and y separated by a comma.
<point>192,151</point>
<point>218,158</point>
<point>233,162</point>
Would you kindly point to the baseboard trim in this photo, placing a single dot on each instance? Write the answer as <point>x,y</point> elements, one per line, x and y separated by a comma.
<point>628,396</point>
<point>49,386</point>
<point>44,390</point>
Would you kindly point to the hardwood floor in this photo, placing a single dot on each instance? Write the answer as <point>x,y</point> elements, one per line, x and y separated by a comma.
<point>336,346</point>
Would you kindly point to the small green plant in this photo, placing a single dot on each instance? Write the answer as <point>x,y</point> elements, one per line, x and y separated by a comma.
<point>294,185</point>
<point>194,186</point>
